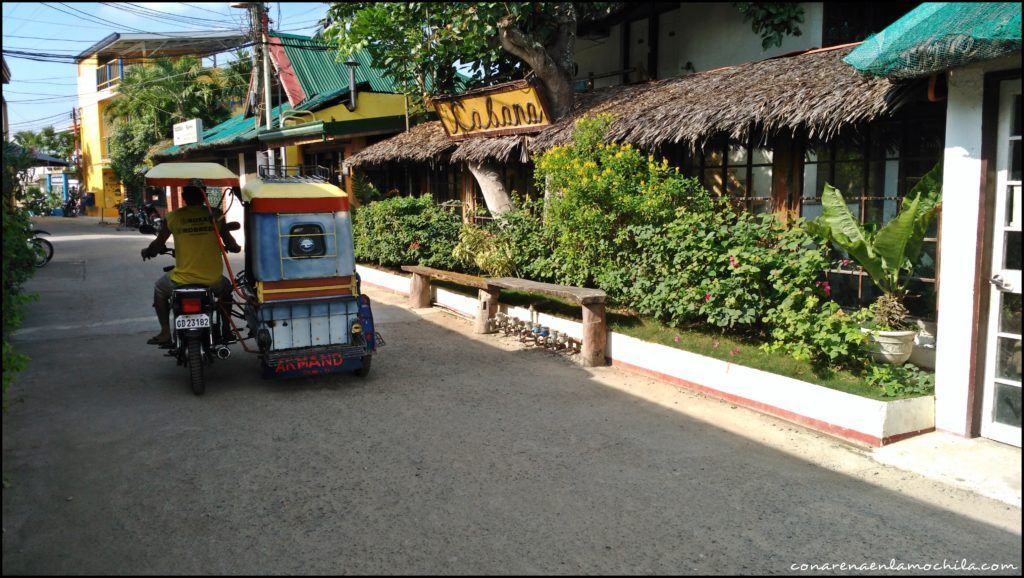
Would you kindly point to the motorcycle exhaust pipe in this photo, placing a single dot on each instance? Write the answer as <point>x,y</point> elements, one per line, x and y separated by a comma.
<point>223,352</point>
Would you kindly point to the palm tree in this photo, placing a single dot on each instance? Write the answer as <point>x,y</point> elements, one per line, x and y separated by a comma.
<point>167,91</point>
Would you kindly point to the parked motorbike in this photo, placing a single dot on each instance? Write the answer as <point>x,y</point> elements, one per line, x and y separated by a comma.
<point>73,206</point>
<point>150,216</point>
<point>200,329</point>
<point>41,248</point>
<point>127,217</point>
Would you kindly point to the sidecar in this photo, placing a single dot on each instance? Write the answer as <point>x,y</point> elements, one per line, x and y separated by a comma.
<point>308,315</point>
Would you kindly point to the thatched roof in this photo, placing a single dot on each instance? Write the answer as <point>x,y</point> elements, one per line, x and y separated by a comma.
<point>814,91</point>
<point>501,149</point>
<point>422,143</point>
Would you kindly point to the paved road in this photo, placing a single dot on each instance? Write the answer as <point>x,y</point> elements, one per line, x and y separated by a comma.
<point>459,454</point>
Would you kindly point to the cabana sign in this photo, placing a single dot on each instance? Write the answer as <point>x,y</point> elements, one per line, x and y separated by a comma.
<point>506,109</point>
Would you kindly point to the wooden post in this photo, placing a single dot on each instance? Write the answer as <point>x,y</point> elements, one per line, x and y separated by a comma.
<point>486,309</point>
<point>419,291</point>
<point>595,335</point>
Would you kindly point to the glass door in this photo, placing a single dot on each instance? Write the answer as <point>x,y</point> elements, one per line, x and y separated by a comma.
<point>1001,402</point>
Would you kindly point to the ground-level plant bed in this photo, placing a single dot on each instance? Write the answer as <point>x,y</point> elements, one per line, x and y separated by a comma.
<point>838,403</point>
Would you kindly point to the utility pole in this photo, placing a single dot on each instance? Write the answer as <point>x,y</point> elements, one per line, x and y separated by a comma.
<point>264,27</point>
<point>258,26</point>
<point>78,151</point>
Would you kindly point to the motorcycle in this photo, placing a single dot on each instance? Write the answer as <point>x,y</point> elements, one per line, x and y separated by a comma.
<point>41,248</point>
<point>200,332</point>
<point>150,216</point>
<point>73,206</point>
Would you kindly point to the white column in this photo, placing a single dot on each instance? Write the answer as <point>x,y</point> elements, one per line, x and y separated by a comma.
<point>235,212</point>
<point>961,198</point>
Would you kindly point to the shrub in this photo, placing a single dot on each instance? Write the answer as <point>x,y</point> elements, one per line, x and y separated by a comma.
<point>524,245</point>
<point>480,250</point>
<point>810,329</point>
<point>596,191</point>
<point>406,230</point>
<point>17,257</point>
<point>38,202</point>
<point>899,380</point>
<point>716,266</point>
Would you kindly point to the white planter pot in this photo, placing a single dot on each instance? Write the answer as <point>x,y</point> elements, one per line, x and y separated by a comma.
<point>890,346</point>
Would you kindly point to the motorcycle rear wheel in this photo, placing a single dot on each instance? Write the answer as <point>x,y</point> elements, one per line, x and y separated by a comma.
<point>195,366</point>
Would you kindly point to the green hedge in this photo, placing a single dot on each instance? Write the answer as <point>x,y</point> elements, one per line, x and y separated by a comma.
<point>18,260</point>
<point>406,230</point>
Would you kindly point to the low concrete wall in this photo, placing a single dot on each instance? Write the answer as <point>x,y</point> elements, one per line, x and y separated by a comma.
<point>851,417</point>
<point>383,279</point>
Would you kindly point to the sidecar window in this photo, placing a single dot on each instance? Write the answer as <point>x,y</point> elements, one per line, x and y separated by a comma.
<point>306,241</point>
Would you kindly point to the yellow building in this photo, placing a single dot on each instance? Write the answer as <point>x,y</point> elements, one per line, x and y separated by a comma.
<point>100,68</point>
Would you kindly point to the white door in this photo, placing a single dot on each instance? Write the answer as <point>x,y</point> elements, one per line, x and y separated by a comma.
<point>1001,402</point>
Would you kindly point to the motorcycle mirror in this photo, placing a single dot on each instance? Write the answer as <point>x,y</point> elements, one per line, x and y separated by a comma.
<point>232,226</point>
<point>147,230</point>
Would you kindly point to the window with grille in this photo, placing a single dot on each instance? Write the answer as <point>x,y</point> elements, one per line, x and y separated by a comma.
<point>874,168</point>
<point>738,170</point>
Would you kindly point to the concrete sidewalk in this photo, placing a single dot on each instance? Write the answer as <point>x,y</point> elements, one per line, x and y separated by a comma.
<point>979,465</point>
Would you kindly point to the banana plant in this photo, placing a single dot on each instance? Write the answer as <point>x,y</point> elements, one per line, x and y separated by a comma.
<point>890,253</point>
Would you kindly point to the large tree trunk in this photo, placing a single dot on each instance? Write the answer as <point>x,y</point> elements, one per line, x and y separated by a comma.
<point>552,63</point>
<point>492,186</point>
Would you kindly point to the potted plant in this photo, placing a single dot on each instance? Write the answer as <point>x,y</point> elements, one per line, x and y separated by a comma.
<point>888,254</point>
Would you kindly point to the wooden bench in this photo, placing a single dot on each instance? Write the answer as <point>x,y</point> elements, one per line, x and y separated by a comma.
<point>419,292</point>
<point>595,327</point>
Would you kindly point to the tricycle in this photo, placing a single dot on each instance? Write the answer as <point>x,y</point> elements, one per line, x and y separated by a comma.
<point>298,293</point>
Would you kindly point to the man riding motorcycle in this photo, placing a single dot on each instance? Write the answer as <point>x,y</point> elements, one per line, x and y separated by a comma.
<point>197,259</point>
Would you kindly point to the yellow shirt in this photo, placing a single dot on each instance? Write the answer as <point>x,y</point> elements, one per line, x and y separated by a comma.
<point>197,257</point>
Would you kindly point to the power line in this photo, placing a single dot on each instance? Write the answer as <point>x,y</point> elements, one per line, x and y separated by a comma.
<point>73,59</point>
<point>35,47</point>
<point>162,14</point>
<point>49,100</point>
<point>34,93</point>
<point>205,9</point>
<point>99,20</point>
<point>90,17</point>
<point>76,25</point>
<point>54,39</point>
<point>165,18</point>
<point>20,81</point>
<point>36,120</point>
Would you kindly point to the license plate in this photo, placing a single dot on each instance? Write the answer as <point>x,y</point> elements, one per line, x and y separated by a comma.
<point>191,321</point>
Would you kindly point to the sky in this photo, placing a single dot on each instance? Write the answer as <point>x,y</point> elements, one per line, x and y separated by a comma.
<point>41,94</point>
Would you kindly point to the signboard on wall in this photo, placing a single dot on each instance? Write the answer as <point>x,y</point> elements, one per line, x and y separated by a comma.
<point>506,109</point>
<point>188,132</point>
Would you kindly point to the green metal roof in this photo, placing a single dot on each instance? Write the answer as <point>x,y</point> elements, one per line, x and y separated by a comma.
<point>236,130</point>
<point>323,128</point>
<point>320,72</point>
<point>938,36</point>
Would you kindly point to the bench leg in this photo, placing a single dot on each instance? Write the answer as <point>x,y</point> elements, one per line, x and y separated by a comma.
<point>486,309</point>
<point>419,291</point>
<point>595,335</point>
